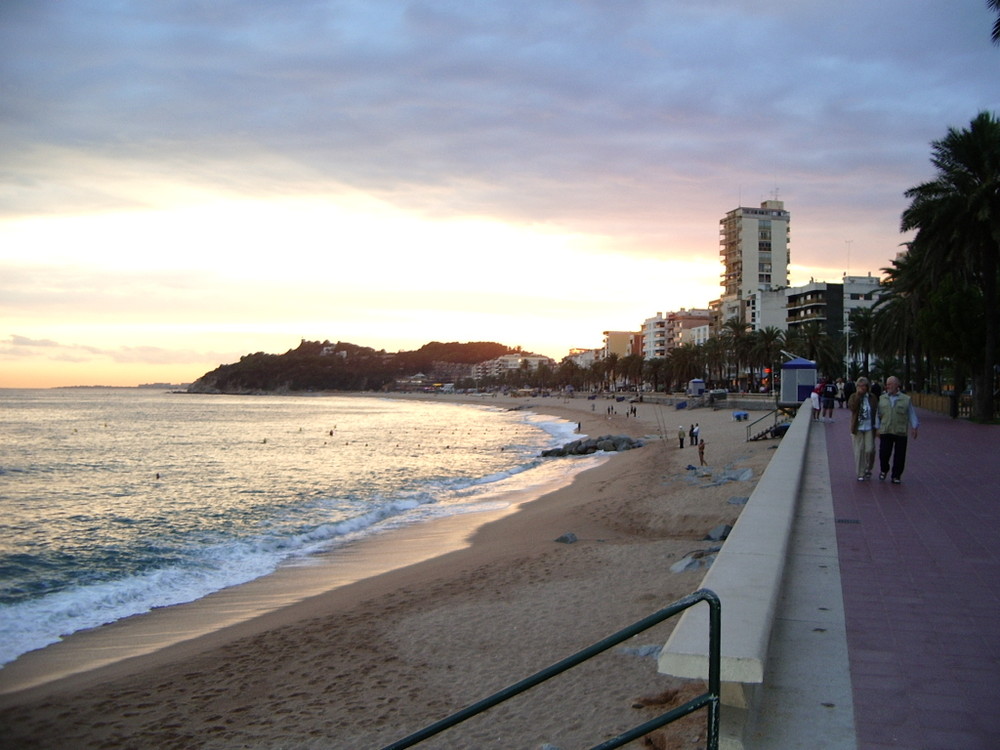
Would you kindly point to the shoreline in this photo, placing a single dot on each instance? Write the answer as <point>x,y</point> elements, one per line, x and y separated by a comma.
<point>633,517</point>
<point>144,634</point>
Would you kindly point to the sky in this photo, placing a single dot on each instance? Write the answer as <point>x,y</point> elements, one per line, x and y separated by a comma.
<point>183,182</point>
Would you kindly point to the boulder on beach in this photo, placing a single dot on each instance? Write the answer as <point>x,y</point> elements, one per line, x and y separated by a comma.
<point>586,446</point>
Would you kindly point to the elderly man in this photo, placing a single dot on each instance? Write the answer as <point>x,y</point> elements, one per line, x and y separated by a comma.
<point>896,415</point>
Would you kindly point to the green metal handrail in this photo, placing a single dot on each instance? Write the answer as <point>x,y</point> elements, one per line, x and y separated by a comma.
<point>709,699</point>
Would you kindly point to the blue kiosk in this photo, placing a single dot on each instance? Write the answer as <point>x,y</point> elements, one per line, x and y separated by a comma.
<point>798,378</point>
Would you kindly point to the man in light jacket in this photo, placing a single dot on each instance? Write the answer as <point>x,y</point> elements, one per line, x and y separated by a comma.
<point>896,416</point>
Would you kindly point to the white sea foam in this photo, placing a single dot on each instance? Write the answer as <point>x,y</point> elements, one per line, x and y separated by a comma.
<point>213,518</point>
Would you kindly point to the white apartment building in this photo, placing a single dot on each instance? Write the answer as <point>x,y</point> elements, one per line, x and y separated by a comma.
<point>663,332</point>
<point>510,363</point>
<point>754,250</point>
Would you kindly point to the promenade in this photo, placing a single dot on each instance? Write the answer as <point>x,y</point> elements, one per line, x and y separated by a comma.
<point>888,633</point>
<point>920,571</point>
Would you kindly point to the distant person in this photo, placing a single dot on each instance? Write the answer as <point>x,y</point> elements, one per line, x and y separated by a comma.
<point>841,392</point>
<point>896,416</point>
<point>814,398</point>
<point>829,395</point>
<point>692,437</point>
<point>681,434</point>
<point>701,452</point>
<point>864,416</point>
<point>695,434</point>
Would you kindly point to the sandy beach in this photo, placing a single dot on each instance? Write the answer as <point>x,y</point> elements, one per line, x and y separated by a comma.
<point>401,635</point>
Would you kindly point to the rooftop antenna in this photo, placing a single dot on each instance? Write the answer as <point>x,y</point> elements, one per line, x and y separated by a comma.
<point>848,243</point>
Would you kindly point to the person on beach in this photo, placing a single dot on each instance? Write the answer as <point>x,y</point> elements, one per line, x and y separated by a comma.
<point>691,437</point>
<point>896,415</point>
<point>701,452</point>
<point>864,415</point>
<point>695,434</point>
<point>681,435</point>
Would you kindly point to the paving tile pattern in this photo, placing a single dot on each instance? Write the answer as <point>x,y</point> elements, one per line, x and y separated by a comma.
<point>920,571</point>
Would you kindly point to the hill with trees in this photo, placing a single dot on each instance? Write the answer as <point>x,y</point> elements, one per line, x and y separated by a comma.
<point>322,366</point>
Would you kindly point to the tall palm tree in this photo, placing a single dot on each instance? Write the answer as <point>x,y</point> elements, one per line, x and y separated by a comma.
<point>737,335</point>
<point>957,220</point>
<point>994,5</point>
<point>767,345</point>
<point>611,370</point>
<point>862,327</point>
<point>813,338</point>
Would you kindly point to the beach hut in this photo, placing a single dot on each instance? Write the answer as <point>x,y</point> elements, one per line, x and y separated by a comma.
<point>798,378</point>
<point>696,387</point>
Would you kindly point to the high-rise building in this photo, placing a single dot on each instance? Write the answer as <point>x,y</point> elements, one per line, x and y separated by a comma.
<point>754,249</point>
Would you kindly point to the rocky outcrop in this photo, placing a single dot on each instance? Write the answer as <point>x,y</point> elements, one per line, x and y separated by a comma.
<point>585,446</point>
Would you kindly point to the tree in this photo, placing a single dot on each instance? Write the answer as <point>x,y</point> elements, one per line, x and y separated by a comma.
<point>767,345</point>
<point>862,327</point>
<point>994,5</point>
<point>957,220</point>
<point>736,333</point>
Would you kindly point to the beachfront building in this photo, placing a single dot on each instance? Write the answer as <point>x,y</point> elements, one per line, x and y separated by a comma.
<point>654,337</point>
<point>583,358</point>
<point>683,320</point>
<point>830,304</point>
<point>696,335</point>
<point>765,308</point>
<point>621,343</point>
<point>510,363</point>
<point>754,250</point>
<point>664,332</point>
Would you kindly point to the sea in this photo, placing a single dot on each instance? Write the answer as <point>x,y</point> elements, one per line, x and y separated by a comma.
<point>118,501</point>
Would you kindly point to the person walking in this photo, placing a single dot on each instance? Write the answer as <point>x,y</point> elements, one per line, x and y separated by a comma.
<point>896,416</point>
<point>864,415</point>
<point>701,452</point>
<point>681,434</point>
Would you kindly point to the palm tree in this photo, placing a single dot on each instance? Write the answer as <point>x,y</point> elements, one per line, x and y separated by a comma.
<point>767,345</point>
<point>654,370</point>
<point>611,370</point>
<point>812,337</point>
<point>994,5</point>
<point>862,327</point>
<point>957,220</point>
<point>737,335</point>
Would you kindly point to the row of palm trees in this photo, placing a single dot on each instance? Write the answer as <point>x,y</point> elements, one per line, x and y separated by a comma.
<point>738,358</point>
<point>936,325</point>
<point>939,313</point>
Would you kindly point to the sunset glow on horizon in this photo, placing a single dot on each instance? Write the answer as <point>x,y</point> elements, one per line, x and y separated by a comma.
<point>183,187</point>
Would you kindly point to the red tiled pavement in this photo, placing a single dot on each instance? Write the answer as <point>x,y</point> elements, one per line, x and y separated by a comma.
<point>920,570</point>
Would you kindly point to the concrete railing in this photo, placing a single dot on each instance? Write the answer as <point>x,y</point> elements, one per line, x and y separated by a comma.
<point>747,576</point>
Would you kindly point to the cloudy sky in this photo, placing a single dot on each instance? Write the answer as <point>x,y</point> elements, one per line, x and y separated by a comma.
<point>184,182</point>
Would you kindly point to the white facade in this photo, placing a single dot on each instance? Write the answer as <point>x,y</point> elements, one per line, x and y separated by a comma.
<point>765,308</point>
<point>510,363</point>
<point>754,249</point>
<point>654,337</point>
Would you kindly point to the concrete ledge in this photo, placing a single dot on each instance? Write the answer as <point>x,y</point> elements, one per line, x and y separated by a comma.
<point>747,576</point>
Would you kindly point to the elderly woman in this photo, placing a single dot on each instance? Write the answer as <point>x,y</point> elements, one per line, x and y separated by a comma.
<point>864,413</point>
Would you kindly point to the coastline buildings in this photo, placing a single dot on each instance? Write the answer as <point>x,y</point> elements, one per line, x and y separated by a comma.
<point>830,304</point>
<point>754,249</point>
<point>510,363</point>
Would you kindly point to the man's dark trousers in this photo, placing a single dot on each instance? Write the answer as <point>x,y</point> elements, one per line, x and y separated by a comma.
<point>895,446</point>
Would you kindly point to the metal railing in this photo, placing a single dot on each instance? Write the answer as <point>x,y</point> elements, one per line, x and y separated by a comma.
<point>776,414</point>
<point>708,699</point>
